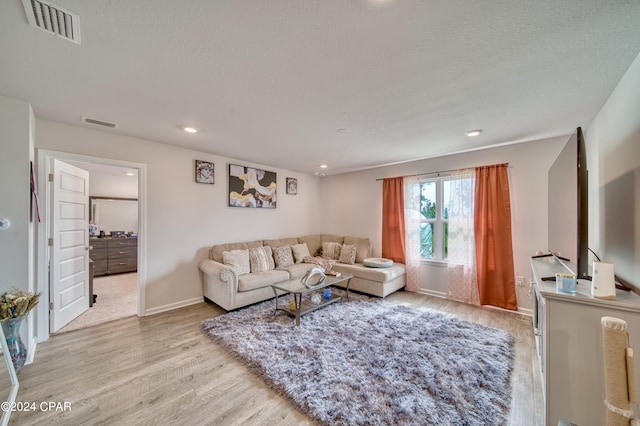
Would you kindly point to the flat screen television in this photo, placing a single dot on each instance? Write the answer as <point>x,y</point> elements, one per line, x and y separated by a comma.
<point>569,206</point>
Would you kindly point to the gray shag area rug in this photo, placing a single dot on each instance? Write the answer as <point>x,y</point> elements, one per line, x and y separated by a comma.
<point>375,363</point>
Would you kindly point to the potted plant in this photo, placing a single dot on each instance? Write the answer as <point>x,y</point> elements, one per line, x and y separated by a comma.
<point>14,307</point>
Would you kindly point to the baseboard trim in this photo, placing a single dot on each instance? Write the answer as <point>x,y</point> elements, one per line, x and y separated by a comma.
<point>433,293</point>
<point>443,295</point>
<point>524,311</point>
<point>172,306</point>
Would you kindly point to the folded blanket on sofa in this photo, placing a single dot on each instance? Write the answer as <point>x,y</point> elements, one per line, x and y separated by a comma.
<point>325,264</point>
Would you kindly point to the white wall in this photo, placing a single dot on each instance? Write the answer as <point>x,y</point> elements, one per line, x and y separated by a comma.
<point>185,218</point>
<point>109,185</point>
<point>613,160</point>
<point>16,243</point>
<point>14,193</point>
<point>353,202</point>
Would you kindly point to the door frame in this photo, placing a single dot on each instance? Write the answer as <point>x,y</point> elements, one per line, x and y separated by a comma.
<point>44,158</point>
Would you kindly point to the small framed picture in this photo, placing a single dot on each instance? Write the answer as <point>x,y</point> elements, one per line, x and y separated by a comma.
<point>204,172</point>
<point>292,186</point>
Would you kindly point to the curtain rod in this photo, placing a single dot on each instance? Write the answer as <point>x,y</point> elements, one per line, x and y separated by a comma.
<point>441,171</point>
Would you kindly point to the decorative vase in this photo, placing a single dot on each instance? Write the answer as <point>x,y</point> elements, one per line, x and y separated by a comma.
<point>17,349</point>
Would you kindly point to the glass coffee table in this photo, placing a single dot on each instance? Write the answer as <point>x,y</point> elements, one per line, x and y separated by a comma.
<point>297,289</point>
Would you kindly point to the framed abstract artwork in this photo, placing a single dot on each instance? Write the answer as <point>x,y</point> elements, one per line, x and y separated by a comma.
<point>251,187</point>
<point>204,172</point>
<point>292,186</point>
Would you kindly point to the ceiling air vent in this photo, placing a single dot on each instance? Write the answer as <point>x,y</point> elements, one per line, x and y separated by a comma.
<point>99,122</point>
<point>53,19</point>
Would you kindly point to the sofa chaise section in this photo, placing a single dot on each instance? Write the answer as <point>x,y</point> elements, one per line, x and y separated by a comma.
<point>374,281</point>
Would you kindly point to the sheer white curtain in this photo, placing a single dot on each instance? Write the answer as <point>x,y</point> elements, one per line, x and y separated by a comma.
<point>412,231</point>
<point>463,282</point>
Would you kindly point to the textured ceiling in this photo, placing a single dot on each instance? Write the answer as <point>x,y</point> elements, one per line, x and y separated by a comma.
<point>272,81</point>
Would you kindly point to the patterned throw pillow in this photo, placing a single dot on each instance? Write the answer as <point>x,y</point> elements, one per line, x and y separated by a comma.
<point>300,251</point>
<point>238,260</point>
<point>282,256</point>
<point>348,254</point>
<point>331,250</point>
<point>364,247</point>
<point>261,259</point>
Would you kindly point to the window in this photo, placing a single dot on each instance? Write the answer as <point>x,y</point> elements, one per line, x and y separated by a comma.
<point>442,209</point>
<point>435,197</point>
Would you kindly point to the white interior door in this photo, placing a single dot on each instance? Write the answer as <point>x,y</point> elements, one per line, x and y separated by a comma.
<point>69,267</point>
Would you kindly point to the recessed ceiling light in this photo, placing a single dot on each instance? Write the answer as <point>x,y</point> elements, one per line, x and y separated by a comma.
<point>343,130</point>
<point>473,133</point>
<point>130,173</point>
<point>323,166</point>
<point>190,129</point>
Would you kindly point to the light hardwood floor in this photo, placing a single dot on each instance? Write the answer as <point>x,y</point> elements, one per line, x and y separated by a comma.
<point>162,369</point>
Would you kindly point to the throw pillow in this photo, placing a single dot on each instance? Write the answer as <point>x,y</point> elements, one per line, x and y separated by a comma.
<point>300,251</point>
<point>238,260</point>
<point>282,256</point>
<point>312,241</point>
<point>331,250</point>
<point>261,259</point>
<point>364,247</point>
<point>348,254</point>
<point>378,262</point>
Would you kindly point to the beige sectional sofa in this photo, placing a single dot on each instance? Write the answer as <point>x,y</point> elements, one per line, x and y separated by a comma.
<point>239,274</point>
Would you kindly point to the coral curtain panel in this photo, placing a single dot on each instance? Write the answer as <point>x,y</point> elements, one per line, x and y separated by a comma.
<point>494,250</point>
<point>393,240</point>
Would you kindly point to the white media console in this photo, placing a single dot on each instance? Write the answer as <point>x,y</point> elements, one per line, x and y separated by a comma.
<point>568,336</point>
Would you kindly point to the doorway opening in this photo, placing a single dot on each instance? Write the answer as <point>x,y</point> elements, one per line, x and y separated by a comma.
<point>119,292</point>
<point>113,245</point>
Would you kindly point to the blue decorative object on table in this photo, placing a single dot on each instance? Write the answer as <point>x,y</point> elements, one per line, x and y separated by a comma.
<point>566,283</point>
<point>327,293</point>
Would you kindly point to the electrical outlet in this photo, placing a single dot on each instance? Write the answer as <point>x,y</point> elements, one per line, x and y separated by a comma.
<point>520,282</point>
